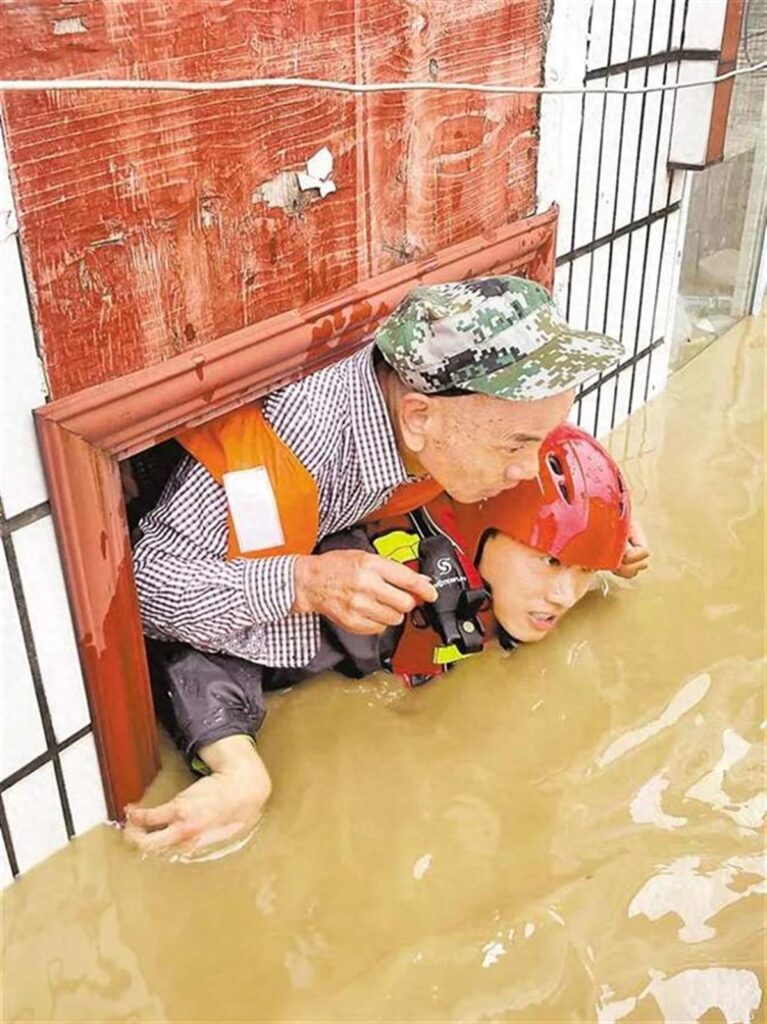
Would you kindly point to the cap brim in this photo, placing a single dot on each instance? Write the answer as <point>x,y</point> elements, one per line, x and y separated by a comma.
<point>566,361</point>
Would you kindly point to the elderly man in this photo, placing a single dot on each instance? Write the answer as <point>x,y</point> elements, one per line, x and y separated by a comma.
<point>457,392</point>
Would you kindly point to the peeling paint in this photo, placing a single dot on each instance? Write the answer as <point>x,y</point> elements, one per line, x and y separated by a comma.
<point>203,188</point>
<point>208,213</point>
<point>118,238</point>
<point>317,175</point>
<point>69,26</point>
<point>282,192</point>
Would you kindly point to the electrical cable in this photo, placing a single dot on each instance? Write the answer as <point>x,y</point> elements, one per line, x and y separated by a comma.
<point>163,85</point>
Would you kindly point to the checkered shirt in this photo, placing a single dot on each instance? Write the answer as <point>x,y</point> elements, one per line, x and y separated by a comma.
<point>337,424</point>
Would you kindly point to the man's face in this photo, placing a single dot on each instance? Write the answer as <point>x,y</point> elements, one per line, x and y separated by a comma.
<point>477,446</point>
<point>531,591</point>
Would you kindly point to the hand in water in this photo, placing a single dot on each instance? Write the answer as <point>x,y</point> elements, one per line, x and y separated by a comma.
<point>636,556</point>
<point>220,808</point>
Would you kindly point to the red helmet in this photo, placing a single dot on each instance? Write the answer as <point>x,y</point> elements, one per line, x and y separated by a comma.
<point>578,508</point>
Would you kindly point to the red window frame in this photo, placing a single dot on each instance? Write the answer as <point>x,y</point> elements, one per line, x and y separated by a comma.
<point>84,436</point>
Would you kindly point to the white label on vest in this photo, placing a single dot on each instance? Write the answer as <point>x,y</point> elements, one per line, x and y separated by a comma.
<point>254,509</point>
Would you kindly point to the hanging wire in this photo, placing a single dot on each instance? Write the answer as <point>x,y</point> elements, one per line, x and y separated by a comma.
<point>165,85</point>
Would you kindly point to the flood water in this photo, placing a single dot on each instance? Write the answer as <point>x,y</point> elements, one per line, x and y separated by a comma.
<point>570,832</point>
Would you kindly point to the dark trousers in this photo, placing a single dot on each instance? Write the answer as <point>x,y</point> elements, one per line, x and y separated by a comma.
<point>202,697</point>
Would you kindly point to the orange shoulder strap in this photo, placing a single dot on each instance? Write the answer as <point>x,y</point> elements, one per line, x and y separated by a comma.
<point>273,499</point>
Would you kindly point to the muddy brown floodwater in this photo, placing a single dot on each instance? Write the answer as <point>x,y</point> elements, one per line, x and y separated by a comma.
<point>572,832</point>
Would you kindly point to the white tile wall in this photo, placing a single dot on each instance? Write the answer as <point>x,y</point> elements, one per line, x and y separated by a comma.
<point>599,39</point>
<point>561,116</point>
<point>705,23</point>
<point>82,778</point>
<point>35,818</point>
<point>21,731</point>
<point>46,597</point>
<point>692,117</point>
<point>22,386</point>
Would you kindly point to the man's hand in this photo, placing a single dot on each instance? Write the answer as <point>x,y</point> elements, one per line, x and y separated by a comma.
<point>217,809</point>
<point>636,555</point>
<point>358,590</point>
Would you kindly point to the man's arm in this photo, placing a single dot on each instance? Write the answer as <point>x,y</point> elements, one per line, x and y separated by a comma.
<point>187,589</point>
<point>219,809</point>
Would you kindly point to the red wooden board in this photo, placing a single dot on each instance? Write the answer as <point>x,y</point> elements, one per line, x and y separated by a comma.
<point>153,222</point>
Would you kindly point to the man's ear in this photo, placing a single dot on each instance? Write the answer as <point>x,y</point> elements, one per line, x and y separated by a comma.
<point>415,412</point>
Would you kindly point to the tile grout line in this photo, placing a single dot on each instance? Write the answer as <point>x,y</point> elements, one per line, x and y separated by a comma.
<point>43,759</point>
<point>37,681</point>
<point>25,518</point>
<point>10,851</point>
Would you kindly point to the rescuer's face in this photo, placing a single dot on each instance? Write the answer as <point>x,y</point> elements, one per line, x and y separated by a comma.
<point>531,590</point>
<point>477,446</point>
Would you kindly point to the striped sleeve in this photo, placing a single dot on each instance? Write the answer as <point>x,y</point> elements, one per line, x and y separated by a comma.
<point>187,589</point>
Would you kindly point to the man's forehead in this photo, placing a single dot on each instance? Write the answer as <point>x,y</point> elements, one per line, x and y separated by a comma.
<point>528,420</point>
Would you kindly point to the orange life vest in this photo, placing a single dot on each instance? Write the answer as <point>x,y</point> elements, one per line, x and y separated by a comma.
<point>273,499</point>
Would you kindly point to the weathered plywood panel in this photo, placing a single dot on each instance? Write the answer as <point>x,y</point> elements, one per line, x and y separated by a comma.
<point>152,223</point>
<point>446,166</point>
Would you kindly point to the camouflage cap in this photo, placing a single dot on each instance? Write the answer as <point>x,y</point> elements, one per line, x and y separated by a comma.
<point>499,336</point>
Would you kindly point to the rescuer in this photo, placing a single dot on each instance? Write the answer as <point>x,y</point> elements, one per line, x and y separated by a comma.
<point>456,393</point>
